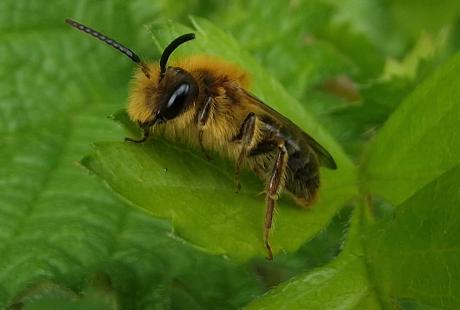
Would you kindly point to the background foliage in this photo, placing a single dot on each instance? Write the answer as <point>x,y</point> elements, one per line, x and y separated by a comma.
<point>375,81</point>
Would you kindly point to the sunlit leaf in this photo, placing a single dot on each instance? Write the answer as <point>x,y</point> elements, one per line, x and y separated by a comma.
<point>420,140</point>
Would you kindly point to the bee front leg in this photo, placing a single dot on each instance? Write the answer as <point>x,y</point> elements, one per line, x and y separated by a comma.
<point>245,137</point>
<point>274,186</point>
<point>203,117</point>
<point>142,140</point>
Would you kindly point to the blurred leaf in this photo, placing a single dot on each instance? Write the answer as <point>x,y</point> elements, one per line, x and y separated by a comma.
<point>305,63</point>
<point>415,254</point>
<point>368,18</point>
<point>415,16</point>
<point>420,140</point>
<point>354,124</point>
<point>367,59</point>
<point>425,48</point>
<point>42,290</point>
<point>49,295</point>
<point>55,303</point>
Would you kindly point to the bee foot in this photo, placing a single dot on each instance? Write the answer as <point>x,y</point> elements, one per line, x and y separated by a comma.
<point>127,139</point>
<point>262,193</point>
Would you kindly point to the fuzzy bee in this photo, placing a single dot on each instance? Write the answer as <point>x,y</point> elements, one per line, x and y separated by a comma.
<point>205,102</point>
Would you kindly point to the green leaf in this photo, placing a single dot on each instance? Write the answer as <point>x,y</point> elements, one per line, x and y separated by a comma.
<point>425,56</point>
<point>49,295</point>
<point>415,16</point>
<point>415,254</point>
<point>342,284</point>
<point>367,60</point>
<point>175,183</point>
<point>409,258</point>
<point>365,17</point>
<point>419,141</point>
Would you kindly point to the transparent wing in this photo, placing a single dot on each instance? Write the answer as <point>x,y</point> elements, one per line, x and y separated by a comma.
<point>324,156</point>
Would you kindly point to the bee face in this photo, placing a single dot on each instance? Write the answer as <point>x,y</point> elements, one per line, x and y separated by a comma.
<point>176,92</point>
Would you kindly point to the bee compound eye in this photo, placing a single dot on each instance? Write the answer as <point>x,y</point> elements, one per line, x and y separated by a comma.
<point>176,101</point>
<point>179,96</point>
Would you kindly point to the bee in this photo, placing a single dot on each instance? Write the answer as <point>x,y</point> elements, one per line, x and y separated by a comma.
<point>206,102</point>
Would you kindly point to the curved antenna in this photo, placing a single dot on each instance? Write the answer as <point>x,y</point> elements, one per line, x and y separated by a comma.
<point>170,48</point>
<point>118,46</point>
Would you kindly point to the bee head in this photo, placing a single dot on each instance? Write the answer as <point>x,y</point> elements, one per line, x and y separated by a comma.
<point>166,93</point>
<point>176,88</point>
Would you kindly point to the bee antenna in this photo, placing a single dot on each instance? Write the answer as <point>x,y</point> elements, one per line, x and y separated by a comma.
<point>170,48</point>
<point>118,46</point>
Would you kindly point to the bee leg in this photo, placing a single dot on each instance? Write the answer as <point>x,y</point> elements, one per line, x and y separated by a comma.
<point>143,139</point>
<point>203,116</point>
<point>200,139</point>
<point>274,186</point>
<point>245,137</point>
<point>262,193</point>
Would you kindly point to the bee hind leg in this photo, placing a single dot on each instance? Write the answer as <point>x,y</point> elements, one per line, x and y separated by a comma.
<point>245,137</point>
<point>274,186</point>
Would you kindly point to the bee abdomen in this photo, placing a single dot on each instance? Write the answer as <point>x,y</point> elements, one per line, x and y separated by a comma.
<point>303,177</point>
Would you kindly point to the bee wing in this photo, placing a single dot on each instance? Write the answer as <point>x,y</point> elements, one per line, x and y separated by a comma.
<point>324,156</point>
